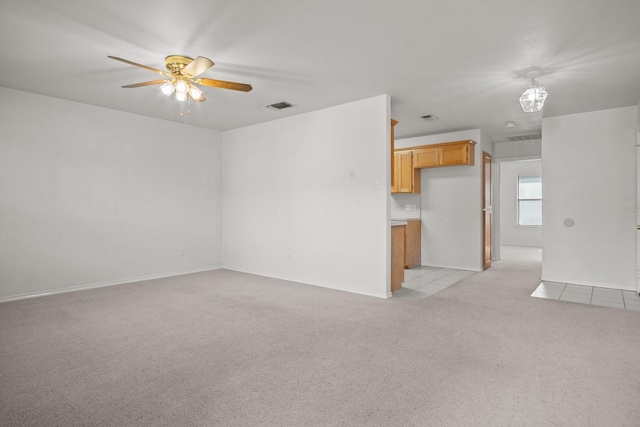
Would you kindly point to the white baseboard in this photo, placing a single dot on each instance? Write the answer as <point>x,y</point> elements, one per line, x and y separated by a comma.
<point>386,295</point>
<point>103,284</point>
<point>452,267</point>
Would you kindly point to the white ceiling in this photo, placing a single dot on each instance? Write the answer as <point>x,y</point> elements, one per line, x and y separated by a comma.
<point>464,61</point>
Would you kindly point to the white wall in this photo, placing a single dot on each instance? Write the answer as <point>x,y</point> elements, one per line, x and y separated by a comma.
<point>589,170</point>
<point>91,196</point>
<point>517,149</point>
<point>454,195</point>
<point>290,208</point>
<point>399,203</point>
<point>510,232</point>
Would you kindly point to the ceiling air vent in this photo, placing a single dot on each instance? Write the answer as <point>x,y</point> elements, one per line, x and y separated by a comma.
<point>280,105</point>
<point>526,137</point>
<point>429,117</point>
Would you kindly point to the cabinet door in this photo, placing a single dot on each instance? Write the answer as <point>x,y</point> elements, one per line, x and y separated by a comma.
<point>405,172</point>
<point>412,244</point>
<point>426,157</point>
<point>397,257</point>
<point>455,154</point>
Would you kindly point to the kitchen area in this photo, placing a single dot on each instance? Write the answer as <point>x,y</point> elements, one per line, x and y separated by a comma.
<point>435,203</point>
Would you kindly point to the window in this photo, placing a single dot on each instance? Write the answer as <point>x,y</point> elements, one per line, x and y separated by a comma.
<point>529,200</point>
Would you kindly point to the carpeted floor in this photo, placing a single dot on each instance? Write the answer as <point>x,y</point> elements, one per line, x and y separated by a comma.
<point>223,348</point>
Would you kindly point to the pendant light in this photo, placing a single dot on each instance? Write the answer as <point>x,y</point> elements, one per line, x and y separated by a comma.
<point>533,98</point>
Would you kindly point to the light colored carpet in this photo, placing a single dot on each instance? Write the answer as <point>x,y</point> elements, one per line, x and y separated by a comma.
<point>231,349</point>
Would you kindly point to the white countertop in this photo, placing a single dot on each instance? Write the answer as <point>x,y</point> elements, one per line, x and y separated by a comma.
<point>395,222</point>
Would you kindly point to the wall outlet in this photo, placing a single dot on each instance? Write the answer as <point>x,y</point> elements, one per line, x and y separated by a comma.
<point>413,207</point>
<point>407,207</point>
<point>446,223</point>
<point>376,185</point>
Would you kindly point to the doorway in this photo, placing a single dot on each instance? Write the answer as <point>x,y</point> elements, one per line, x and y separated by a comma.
<point>486,209</point>
<point>519,231</point>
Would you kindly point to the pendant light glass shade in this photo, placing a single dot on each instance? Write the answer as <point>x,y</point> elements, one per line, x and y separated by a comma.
<point>532,99</point>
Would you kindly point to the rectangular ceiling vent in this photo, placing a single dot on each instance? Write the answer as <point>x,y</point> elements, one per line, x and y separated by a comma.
<point>280,105</point>
<point>429,117</point>
<point>526,137</point>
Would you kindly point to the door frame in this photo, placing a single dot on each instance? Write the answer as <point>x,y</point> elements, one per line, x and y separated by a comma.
<point>487,210</point>
<point>638,212</point>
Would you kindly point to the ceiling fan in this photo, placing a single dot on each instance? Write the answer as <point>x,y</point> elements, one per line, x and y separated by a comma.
<point>182,77</point>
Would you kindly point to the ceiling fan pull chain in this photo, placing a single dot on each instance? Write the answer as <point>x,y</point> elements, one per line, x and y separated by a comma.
<point>181,109</point>
<point>189,104</point>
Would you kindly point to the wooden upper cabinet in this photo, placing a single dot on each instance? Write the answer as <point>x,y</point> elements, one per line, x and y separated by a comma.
<point>427,157</point>
<point>407,178</point>
<point>459,153</point>
<point>393,161</point>
<point>394,173</point>
<point>447,154</point>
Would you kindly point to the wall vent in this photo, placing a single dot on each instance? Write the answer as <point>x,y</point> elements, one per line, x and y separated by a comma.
<point>280,105</point>
<point>526,137</point>
<point>429,117</point>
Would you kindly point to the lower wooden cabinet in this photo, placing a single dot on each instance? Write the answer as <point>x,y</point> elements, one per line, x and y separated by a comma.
<point>412,243</point>
<point>397,256</point>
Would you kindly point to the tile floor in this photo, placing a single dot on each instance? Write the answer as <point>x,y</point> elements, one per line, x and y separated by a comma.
<point>616,298</point>
<point>422,282</point>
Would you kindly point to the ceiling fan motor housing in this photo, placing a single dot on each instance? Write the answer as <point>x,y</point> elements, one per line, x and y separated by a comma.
<point>176,63</point>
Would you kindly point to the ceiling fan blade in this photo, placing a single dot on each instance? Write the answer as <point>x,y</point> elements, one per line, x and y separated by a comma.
<point>152,82</point>
<point>155,70</point>
<point>198,66</point>
<point>223,85</point>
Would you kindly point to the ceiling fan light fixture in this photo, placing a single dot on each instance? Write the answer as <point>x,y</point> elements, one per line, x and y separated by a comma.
<point>532,100</point>
<point>181,78</point>
<point>194,92</point>
<point>182,87</point>
<point>167,88</point>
